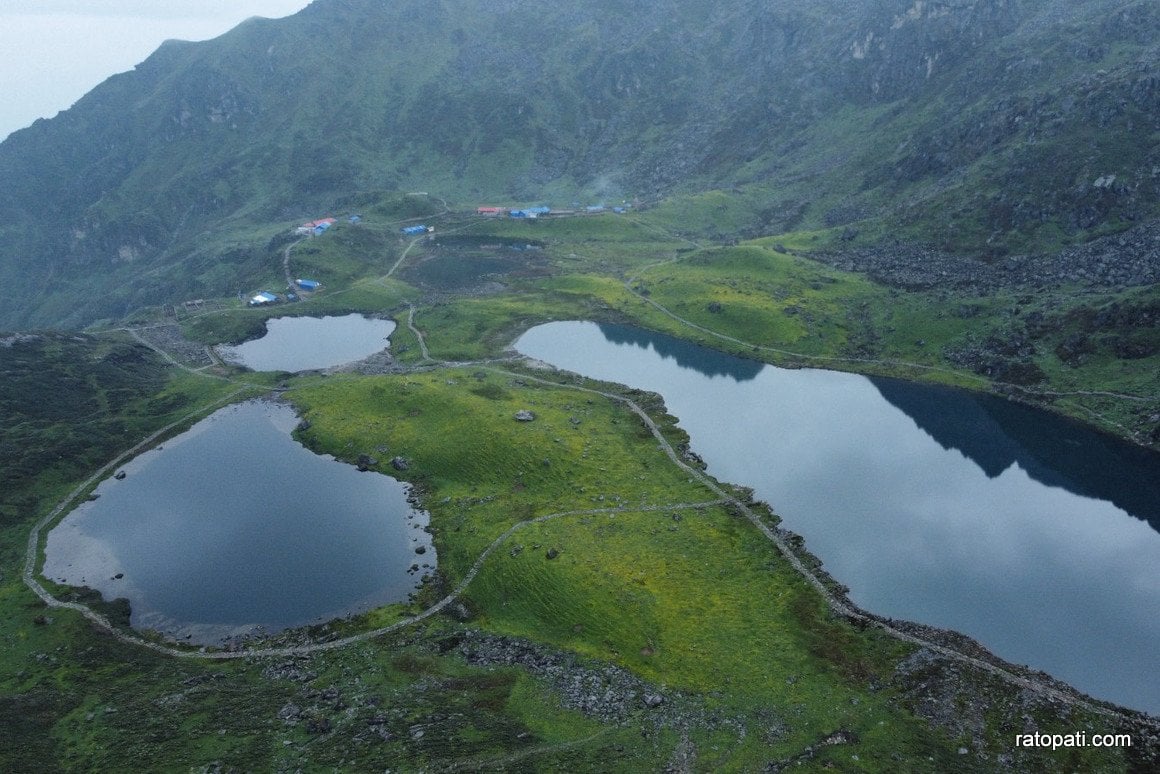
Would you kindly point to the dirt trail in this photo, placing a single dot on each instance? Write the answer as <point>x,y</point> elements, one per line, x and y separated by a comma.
<point>169,358</point>
<point>838,605</point>
<point>293,650</point>
<point>418,335</point>
<point>33,548</point>
<point>286,260</point>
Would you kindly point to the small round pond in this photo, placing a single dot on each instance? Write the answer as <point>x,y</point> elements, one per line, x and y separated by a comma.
<point>1036,536</point>
<point>234,526</point>
<point>307,343</point>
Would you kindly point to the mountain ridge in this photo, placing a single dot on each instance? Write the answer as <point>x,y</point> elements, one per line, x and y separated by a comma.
<point>988,126</point>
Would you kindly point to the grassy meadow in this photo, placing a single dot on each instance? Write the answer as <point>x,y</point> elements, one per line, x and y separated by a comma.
<point>609,571</point>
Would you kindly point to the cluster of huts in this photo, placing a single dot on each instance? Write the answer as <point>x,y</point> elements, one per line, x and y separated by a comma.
<point>536,212</point>
<point>526,212</point>
<point>315,227</point>
<point>321,226</point>
<point>265,298</point>
<point>312,228</point>
<point>417,229</point>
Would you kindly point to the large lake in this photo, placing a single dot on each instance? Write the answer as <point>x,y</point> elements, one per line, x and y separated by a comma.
<point>1028,532</point>
<point>234,525</point>
<point>308,343</point>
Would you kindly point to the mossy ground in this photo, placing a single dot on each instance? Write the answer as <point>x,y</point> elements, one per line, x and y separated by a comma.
<point>693,601</point>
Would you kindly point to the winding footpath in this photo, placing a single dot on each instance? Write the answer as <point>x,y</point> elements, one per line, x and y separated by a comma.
<point>313,647</point>
<point>723,498</point>
<point>286,260</point>
<point>416,333</point>
<point>32,551</point>
<point>174,361</point>
<point>838,605</point>
<point>403,256</point>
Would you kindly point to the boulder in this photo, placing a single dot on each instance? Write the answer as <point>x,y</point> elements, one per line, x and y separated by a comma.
<point>524,415</point>
<point>318,724</point>
<point>290,713</point>
<point>399,463</point>
<point>459,611</point>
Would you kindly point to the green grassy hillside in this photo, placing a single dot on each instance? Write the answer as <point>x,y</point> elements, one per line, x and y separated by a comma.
<point>990,128</point>
<point>629,621</point>
<point>959,193</point>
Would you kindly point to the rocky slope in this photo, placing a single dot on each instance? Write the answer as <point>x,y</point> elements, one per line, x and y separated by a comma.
<point>1125,260</point>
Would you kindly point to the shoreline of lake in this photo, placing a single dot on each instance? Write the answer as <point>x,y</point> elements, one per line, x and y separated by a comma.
<point>259,536</point>
<point>307,343</point>
<point>997,460</point>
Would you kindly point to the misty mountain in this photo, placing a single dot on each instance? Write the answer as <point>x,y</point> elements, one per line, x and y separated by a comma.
<point>984,126</point>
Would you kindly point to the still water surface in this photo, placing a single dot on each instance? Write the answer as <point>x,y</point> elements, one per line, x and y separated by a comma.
<point>306,343</point>
<point>234,525</point>
<point>1028,532</point>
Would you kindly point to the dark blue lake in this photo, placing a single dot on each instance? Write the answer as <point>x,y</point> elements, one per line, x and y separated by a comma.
<point>234,525</point>
<point>1034,535</point>
<point>308,343</point>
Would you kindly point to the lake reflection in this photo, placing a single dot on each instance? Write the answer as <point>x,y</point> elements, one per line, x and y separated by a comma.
<point>234,525</point>
<point>307,343</point>
<point>1021,529</point>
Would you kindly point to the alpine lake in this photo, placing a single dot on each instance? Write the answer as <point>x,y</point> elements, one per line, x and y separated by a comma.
<point>1032,534</point>
<point>233,528</point>
<point>308,343</point>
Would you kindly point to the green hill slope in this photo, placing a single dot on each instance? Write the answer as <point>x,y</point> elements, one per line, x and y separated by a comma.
<point>985,127</point>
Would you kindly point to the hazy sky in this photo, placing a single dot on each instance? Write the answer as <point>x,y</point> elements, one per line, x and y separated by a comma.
<point>54,51</point>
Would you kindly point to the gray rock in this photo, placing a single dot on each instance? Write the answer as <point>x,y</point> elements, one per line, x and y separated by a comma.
<point>524,415</point>
<point>290,714</point>
<point>399,463</point>
<point>459,611</point>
